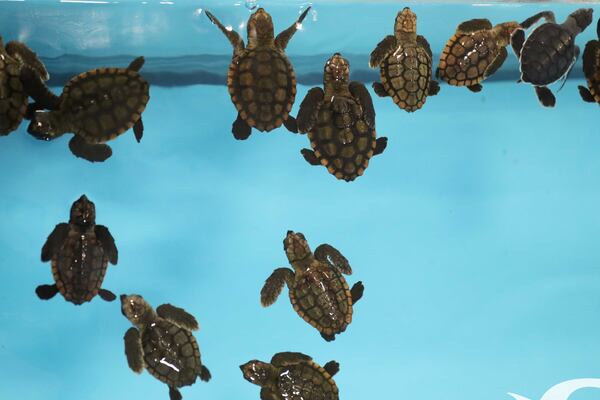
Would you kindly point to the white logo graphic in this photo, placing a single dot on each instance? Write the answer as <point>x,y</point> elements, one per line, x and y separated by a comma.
<point>564,390</point>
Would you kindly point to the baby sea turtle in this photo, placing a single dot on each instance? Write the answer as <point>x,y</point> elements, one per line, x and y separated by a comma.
<point>80,252</point>
<point>318,291</point>
<point>475,52</point>
<point>591,70</point>
<point>162,342</point>
<point>340,122</point>
<point>404,61</point>
<point>97,106</point>
<point>293,376</point>
<point>15,57</point>
<point>261,80</point>
<point>549,53</point>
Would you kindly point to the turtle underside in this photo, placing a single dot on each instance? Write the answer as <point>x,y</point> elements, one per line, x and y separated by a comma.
<point>262,85</point>
<point>13,100</point>
<point>306,381</point>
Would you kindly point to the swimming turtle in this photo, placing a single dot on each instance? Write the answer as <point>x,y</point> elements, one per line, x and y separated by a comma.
<point>475,52</point>
<point>340,122</point>
<point>318,291</point>
<point>591,70</point>
<point>16,57</point>
<point>404,61</point>
<point>261,79</point>
<point>293,376</point>
<point>80,252</point>
<point>162,342</point>
<point>96,106</point>
<point>549,52</point>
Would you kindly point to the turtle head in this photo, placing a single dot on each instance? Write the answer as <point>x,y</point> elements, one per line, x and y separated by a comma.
<point>295,246</point>
<point>337,71</point>
<point>136,309</point>
<point>504,31</point>
<point>44,126</point>
<point>582,18</point>
<point>257,372</point>
<point>406,22</point>
<point>260,28</point>
<point>83,212</point>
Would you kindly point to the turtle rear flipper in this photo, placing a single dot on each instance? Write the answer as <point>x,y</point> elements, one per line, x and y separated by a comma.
<point>234,38</point>
<point>46,292</point>
<point>287,358</point>
<point>332,367</point>
<point>475,88</point>
<point>106,295</point>
<point>108,243</point>
<point>547,15</point>
<point>204,374</point>
<point>174,393</point>
<point>138,130</point>
<point>517,39</point>
<point>382,51</point>
<point>380,145</point>
<point>309,109</point>
<point>137,64</point>
<point>37,89</point>
<point>545,96</point>
<point>357,291</point>
<point>282,40</point>
<point>134,350</point>
<point>332,256</point>
<point>361,94</point>
<point>497,63</point>
<point>474,25</point>
<point>178,316</point>
<point>28,57</point>
<point>240,129</point>
<point>55,241</point>
<point>274,284</point>
<point>310,157</point>
<point>291,124</point>
<point>586,95</point>
<point>91,152</point>
<point>327,337</point>
<point>379,89</point>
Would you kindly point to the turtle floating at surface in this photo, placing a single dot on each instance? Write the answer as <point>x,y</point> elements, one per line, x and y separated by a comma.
<point>80,252</point>
<point>162,342</point>
<point>261,79</point>
<point>591,70</point>
<point>549,53</point>
<point>317,289</point>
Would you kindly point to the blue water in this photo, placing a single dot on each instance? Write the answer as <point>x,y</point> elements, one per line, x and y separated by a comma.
<point>475,234</point>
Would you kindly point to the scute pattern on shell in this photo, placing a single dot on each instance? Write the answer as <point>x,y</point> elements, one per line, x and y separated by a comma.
<point>546,55</point>
<point>322,298</point>
<point>262,85</point>
<point>164,345</point>
<point>591,56</point>
<point>13,101</point>
<point>79,267</point>
<point>466,57</point>
<point>105,102</point>
<point>405,75</point>
<point>306,381</point>
<point>342,143</point>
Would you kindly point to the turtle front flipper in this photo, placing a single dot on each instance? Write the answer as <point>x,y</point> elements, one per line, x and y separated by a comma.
<point>380,145</point>
<point>379,89</point>
<point>174,393</point>
<point>382,51</point>
<point>137,64</point>
<point>28,57</point>
<point>517,39</point>
<point>332,367</point>
<point>425,44</point>
<point>357,291</point>
<point>37,89</point>
<point>133,350</point>
<point>547,15</point>
<point>138,130</point>
<point>586,95</point>
<point>178,316</point>
<point>106,295</point>
<point>274,284</point>
<point>496,63</point>
<point>474,25</point>
<point>361,94</point>
<point>309,109</point>
<point>332,256</point>
<point>240,129</point>
<point>282,40</point>
<point>291,124</point>
<point>234,38</point>
<point>288,358</point>
<point>55,241</point>
<point>475,88</point>
<point>46,292</point>
<point>545,96</point>
<point>108,243</point>
<point>310,157</point>
<point>91,152</point>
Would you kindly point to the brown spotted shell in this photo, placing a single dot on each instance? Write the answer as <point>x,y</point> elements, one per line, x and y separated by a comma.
<point>13,100</point>
<point>405,75</point>
<point>466,57</point>
<point>342,143</point>
<point>103,103</point>
<point>322,298</point>
<point>305,381</point>
<point>591,68</point>
<point>171,353</point>
<point>262,85</point>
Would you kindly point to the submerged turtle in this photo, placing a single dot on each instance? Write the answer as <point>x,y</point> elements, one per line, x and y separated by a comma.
<point>318,291</point>
<point>549,53</point>
<point>293,376</point>
<point>261,80</point>
<point>97,106</point>
<point>80,252</point>
<point>475,52</point>
<point>404,61</point>
<point>162,342</point>
<point>340,122</point>
<point>16,57</point>
<point>591,70</point>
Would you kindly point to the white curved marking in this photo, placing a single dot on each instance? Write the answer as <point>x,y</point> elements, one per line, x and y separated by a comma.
<point>564,390</point>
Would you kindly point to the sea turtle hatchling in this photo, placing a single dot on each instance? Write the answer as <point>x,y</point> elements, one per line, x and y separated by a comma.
<point>340,122</point>
<point>475,52</point>
<point>261,79</point>
<point>96,106</point>
<point>404,60</point>
<point>591,70</point>
<point>161,341</point>
<point>15,57</point>
<point>549,53</point>
<point>318,291</point>
<point>293,376</point>
<point>80,252</point>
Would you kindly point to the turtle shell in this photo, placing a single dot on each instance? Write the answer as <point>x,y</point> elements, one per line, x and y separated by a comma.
<point>103,103</point>
<point>547,55</point>
<point>13,100</point>
<point>262,85</point>
<point>591,67</point>
<point>466,57</point>
<point>341,142</point>
<point>405,76</point>
<point>171,353</point>
<point>322,298</point>
<point>79,267</point>
<point>306,381</point>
